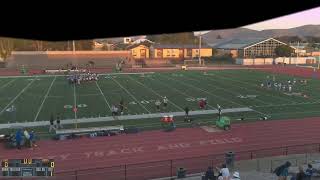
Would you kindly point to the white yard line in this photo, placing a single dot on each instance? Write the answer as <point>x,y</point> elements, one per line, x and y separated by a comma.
<point>75,100</point>
<point>6,84</point>
<point>216,96</point>
<point>105,99</point>
<point>16,97</point>
<point>84,95</point>
<point>45,98</point>
<point>130,95</point>
<point>155,93</point>
<point>184,94</point>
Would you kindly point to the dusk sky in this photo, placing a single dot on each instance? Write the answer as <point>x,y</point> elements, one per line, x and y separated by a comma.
<point>311,16</point>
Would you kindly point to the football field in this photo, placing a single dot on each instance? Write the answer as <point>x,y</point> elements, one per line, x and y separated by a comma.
<point>36,98</point>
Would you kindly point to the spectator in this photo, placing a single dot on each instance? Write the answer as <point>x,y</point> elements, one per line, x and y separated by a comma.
<point>300,175</point>
<point>285,171</point>
<point>309,172</point>
<point>236,176</point>
<point>224,171</point>
<point>19,138</point>
<point>209,174</point>
<point>32,139</point>
<point>27,137</point>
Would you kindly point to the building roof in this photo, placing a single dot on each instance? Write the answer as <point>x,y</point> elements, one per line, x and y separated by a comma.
<point>239,43</point>
<point>178,46</point>
<point>298,47</point>
<point>147,44</point>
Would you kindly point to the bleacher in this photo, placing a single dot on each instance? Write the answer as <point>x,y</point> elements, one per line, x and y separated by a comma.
<point>94,131</point>
<point>41,61</point>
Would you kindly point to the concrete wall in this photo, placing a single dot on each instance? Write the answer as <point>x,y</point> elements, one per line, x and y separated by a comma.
<point>69,52</point>
<point>41,61</point>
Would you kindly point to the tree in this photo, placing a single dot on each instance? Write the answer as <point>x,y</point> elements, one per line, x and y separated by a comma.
<point>283,51</point>
<point>6,48</point>
<point>84,45</point>
<point>289,39</point>
<point>177,38</point>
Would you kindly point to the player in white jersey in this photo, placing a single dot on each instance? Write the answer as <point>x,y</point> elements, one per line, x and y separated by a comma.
<point>165,102</point>
<point>280,84</point>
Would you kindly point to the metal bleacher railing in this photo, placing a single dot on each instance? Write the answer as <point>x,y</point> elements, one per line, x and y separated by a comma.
<point>168,168</point>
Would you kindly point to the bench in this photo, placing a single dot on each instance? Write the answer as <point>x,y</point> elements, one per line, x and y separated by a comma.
<point>63,133</point>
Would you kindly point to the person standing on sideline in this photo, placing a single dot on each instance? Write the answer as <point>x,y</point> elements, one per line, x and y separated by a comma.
<point>309,172</point>
<point>59,126</point>
<point>219,111</point>
<point>51,123</point>
<point>290,88</point>
<point>114,110</point>
<point>27,137</point>
<point>201,104</point>
<point>121,106</point>
<point>186,116</point>
<point>18,138</point>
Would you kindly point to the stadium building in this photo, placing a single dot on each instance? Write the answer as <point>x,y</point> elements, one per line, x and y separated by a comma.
<point>248,48</point>
<point>169,51</point>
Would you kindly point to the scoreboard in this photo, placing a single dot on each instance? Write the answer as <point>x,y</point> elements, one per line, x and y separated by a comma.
<point>27,167</point>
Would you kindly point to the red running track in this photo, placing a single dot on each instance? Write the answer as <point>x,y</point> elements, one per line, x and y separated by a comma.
<point>181,144</point>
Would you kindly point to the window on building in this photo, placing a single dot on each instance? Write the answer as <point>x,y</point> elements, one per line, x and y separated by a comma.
<point>159,53</point>
<point>189,52</point>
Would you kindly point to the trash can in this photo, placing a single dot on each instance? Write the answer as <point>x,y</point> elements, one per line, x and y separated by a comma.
<point>230,158</point>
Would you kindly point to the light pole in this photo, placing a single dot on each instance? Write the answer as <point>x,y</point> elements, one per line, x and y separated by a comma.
<point>200,48</point>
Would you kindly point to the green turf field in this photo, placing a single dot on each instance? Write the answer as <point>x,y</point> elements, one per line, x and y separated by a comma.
<point>35,98</point>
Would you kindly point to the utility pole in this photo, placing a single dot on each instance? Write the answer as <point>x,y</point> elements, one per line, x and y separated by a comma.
<point>297,54</point>
<point>74,47</point>
<point>200,48</point>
